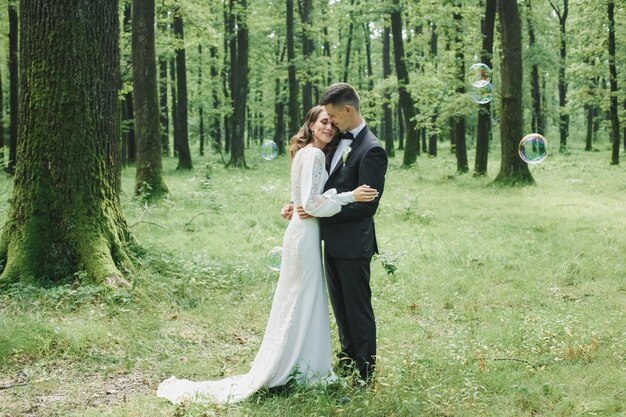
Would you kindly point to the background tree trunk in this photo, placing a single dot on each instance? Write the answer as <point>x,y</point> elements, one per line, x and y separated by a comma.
<point>200,105</point>
<point>537,121</point>
<point>65,214</point>
<point>483,128</point>
<point>613,84</point>
<point>563,116</point>
<point>459,120</point>
<point>240,93</point>
<point>406,102</point>
<point>308,47</point>
<point>294,119</point>
<point>13,87</point>
<point>387,131</point>
<point>346,65</point>
<point>513,170</point>
<point>174,118</point>
<point>164,110</point>
<point>184,155</point>
<point>149,176</point>
<point>216,130</point>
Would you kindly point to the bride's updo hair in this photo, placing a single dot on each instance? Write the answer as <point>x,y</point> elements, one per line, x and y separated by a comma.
<point>304,135</point>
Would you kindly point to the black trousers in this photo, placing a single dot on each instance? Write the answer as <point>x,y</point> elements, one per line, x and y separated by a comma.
<point>350,295</point>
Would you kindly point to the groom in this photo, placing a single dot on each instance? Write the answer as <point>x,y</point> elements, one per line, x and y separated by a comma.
<point>349,237</point>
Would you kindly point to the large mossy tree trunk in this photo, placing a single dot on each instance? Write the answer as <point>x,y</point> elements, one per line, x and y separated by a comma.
<point>65,214</point>
<point>406,102</point>
<point>13,87</point>
<point>512,169</point>
<point>148,179</point>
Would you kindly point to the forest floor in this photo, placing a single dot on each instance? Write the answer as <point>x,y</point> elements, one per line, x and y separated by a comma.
<point>490,301</point>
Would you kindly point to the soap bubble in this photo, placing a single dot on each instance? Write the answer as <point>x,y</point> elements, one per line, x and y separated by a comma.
<point>273,258</point>
<point>532,148</point>
<point>478,75</point>
<point>482,94</point>
<point>269,150</point>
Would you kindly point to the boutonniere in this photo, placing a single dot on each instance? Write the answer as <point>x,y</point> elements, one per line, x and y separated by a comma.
<point>346,152</point>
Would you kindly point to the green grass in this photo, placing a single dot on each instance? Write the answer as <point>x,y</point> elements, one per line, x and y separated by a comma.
<point>502,301</point>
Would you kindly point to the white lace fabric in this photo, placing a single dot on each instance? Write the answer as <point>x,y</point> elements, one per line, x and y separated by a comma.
<point>297,336</point>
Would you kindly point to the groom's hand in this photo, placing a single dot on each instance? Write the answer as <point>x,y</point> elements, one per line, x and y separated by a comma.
<point>287,212</point>
<point>301,213</point>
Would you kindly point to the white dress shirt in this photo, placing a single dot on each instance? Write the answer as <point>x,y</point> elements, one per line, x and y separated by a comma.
<point>343,145</point>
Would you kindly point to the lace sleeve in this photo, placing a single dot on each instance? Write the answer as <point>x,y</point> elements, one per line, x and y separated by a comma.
<point>315,203</point>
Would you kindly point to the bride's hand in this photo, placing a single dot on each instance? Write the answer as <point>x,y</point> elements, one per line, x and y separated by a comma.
<point>364,193</point>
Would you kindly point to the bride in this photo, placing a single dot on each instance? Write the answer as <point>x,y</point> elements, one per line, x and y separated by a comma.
<point>296,344</point>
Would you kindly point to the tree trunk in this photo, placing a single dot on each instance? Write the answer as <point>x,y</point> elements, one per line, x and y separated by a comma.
<point>13,88</point>
<point>563,116</point>
<point>65,214</point>
<point>200,105</point>
<point>346,66</point>
<point>216,131</point>
<point>387,131</point>
<point>164,110</point>
<point>400,125</point>
<point>433,137</point>
<point>230,46</point>
<point>406,102</point>
<point>537,122</point>
<point>483,128</point>
<point>174,118</point>
<point>163,114</point>
<point>308,47</point>
<point>294,119</point>
<point>184,155</point>
<point>459,120</point>
<point>513,170</point>
<point>1,123</point>
<point>613,84</point>
<point>240,92</point>
<point>149,176</point>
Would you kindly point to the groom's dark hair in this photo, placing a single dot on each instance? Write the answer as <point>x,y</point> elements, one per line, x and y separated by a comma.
<point>340,94</point>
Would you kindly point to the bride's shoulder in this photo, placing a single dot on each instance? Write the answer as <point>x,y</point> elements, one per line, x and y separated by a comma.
<point>310,151</point>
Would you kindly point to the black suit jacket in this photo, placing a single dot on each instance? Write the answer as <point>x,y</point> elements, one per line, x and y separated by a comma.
<point>350,233</point>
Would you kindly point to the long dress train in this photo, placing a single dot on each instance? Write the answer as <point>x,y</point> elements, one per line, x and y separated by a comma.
<point>296,342</point>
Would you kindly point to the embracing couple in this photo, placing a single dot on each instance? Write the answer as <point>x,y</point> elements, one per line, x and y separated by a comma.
<point>337,179</point>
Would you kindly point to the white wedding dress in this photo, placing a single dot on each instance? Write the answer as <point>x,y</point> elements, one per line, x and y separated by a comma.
<point>297,337</point>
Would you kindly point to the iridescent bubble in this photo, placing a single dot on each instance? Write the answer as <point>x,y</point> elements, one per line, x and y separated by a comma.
<point>482,94</point>
<point>269,150</point>
<point>479,75</point>
<point>273,258</point>
<point>532,148</point>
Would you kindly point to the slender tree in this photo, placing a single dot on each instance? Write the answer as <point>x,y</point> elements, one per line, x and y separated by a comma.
<point>230,54</point>
<point>129,148</point>
<point>512,169</point>
<point>346,65</point>
<point>240,92</point>
<point>163,82</point>
<point>65,214</point>
<point>460,147</point>
<point>406,102</point>
<point>184,155</point>
<point>200,105</point>
<point>149,178</point>
<point>308,47</point>
<point>537,116</point>
<point>562,14</point>
<point>387,131</point>
<point>215,125</point>
<point>294,118</point>
<point>613,84</point>
<point>483,128</point>
<point>173,95</point>
<point>13,87</point>
<point>279,103</point>
<point>434,116</point>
